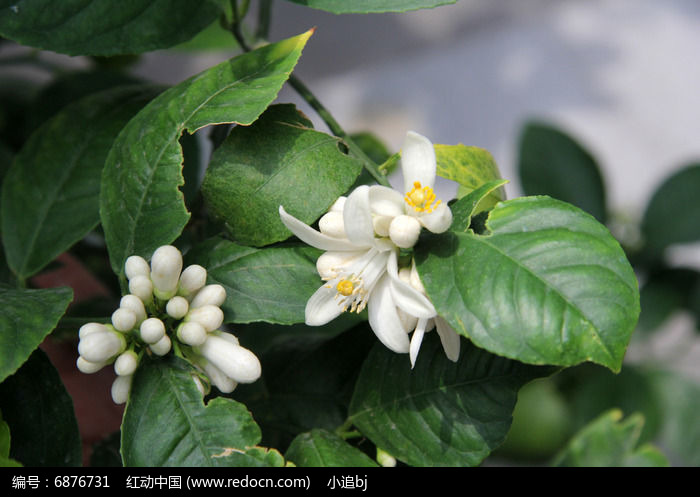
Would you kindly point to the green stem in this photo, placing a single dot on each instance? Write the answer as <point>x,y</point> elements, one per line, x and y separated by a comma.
<point>264,16</point>
<point>346,435</point>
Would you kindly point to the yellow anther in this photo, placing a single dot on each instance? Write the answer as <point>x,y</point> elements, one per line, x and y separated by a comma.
<point>345,287</point>
<point>421,198</point>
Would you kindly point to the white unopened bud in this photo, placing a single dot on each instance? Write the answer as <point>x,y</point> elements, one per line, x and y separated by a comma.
<point>88,328</point>
<point>200,386</point>
<point>332,224</point>
<point>126,363</point>
<point>88,367</point>
<point>192,279</point>
<point>338,205</point>
<point>209,295</point>
<point>123,320</point>
<point>136,266</point>
<point>218,378</point>
<point>227,336</point>
<point>381,224</point>
<point>234,361</point>
<point>210,317</point>
<point>166,265</point>
<point>142,287</point>
<point>177,307</point>
<point>162,346</point>
<point>152,330</point>
<point>329,264</point>
<point>404,231</point>
<point>192,333</point>
<point>135,305</point>
<point>102,346</point>
<point>415,279</point>
<point>121,388</point>
<point>385,459</point>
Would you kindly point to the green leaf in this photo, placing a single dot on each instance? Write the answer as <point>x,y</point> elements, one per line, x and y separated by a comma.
<point>440,413</point>
<point>324,449</point>
<point>5,460</point>
<point>277,161</point>
<point>163,394</point>
<point>141,205</point>
<point>26,317</point>
<point>40,414</point>
<point>50,197</point>
<point>471,167</point>
<point>548,285</point>
<point>552,163</point>
<point>465,207</point>
<point>270,284</point>
<point>609,441</point>
<point>90,27</point>
<point>370,6</point>
<point>672,213</point>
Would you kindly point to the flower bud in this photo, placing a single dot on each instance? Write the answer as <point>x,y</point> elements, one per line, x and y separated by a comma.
<point>236,362</point>
<point>135,305</point>
<point>338,205</point>
<point>126,363</point>
<point>200,386</point>
<point>191,333</point>
<point>166,265</point>
<point>209,295</point>
<point>101,346</point>
<point>415,279</point>
<point>88,367</point>
<point>142,287</point>
<point>152,330</point>
<point>332,224</point>
<point>209,316</point>
<point>177,307</point>
<point>136,266</point>
<point>404,231</point>
<point>381,224</point>
<point>385,459</point>
<point>192,279</point>
<point>162,346</point>
<point>227,336</point>
<point>123,320</point>
<point>88,328</point>
<point>121,388</point>
<point>218,378</point>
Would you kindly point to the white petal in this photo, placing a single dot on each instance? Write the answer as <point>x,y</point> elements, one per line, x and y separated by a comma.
<point>338,205</point>
<point>437,221</point>
<point>416,340</point>
<point>331,224</point>
<point>417,161</point>
<point>449,338</point>
<point>384,319</point>
<point>308,235</point>
<point>358,218</point>
<point>331,264</point>
<point>405,296</point>
<point>322,306</point>
<point>386,201</point>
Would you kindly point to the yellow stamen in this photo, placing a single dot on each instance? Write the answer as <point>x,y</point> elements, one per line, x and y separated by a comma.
<point>345,287</point>
<point>421,198</point>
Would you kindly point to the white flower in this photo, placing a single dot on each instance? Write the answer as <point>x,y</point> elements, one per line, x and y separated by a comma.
<point>166,265</point>
<point>234,361</point>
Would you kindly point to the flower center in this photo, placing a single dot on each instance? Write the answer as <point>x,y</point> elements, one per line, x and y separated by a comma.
<point>345,287</point>
<point>421,198</point>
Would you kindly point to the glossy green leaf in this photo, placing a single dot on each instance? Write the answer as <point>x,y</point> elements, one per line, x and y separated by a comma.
<point>270,284</point>
<point>471,167</point>
<point>369,6</point>
<point>50,196</point>
<point>548,285</point>
<point>552,163</point>
<point>672,213</point>
<point>325,449</point>
<point>610,441</point>
<point>277,161</point>
<point>465,207</point>
<point>91,27</point>
<point>39,411</point>
<point>26,317</point>
<point>440,413</point>
<point>141,205</point>
<point>163,394</point>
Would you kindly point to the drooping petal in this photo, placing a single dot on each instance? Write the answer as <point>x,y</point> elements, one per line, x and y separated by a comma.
<point>449,338</point>
<point>358,218</point>
<point>417,161</point>
<point>405,296</point>
<point>385,201</point>
<point>308,235</point>
<point>384,319</point>
<point>437,221</point>
<point>416,340</point>
<point>322,307</point>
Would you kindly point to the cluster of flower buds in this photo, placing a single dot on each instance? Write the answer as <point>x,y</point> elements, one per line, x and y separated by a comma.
<point>166,303</point>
